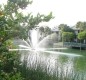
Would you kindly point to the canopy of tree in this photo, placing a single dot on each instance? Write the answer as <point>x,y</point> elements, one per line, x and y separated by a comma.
<point>81,25</point>
<point>82,35</point>
<point>65,28</point>
<point>68,36</point>
<point>13,23</point>
<point>44,31</point>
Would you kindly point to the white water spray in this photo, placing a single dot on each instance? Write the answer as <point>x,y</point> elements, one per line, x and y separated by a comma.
<point>34,38</point>
<point>34,45</point>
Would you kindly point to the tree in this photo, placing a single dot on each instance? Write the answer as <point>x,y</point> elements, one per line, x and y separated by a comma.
<point>14,24</point>
<point>84,25</point>
<point>41,29</point>
<point>62,27</point>
<point>65,28</point>
<point>44,31</point>
<point>82,35</point>
<point>47,30</point>
<point>68,36</point>
<point>81,25</point>
<point>16,20</point>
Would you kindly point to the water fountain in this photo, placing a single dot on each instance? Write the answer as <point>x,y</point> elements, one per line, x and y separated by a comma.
<point>33,44</point>
<point>48,59</point>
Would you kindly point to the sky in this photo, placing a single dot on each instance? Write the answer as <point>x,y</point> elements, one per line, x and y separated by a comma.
<point>65,11</point>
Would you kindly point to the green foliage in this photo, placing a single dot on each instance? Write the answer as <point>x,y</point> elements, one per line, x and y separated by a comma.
<point>32,21</point>
<point>68,36</point>
<point>14,24</point>
<point>82,35</point>
<point>47,30</point>
<point>10,76</point>
<point>81,25</point>
<point>65,28</point>
<point>21,3</point>
<point>44,31</point>
<point>41,29</point>
<point>48,17</point>
<point>8,65</point>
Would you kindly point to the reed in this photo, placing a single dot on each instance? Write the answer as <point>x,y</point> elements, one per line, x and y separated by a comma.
<point>39,73</point>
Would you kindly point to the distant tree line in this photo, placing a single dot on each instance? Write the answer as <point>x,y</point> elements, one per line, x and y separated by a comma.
<point>68,33</point>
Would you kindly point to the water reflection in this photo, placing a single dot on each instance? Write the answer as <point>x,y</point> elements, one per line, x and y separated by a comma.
<point>54,63</point>
<point>46,57</point>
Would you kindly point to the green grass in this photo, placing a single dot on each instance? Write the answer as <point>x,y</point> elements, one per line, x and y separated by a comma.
<point>40,74</point>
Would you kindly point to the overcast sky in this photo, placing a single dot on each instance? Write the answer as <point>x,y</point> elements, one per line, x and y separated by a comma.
<point>65,11</point>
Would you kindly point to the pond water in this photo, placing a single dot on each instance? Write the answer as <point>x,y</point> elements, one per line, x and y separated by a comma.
<point>56,63</point>
<point>51,60</point>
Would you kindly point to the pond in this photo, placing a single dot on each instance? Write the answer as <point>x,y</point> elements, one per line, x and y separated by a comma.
<point>53,61</point>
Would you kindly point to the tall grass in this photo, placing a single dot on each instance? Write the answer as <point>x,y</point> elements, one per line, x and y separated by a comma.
<point>39,74</point>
